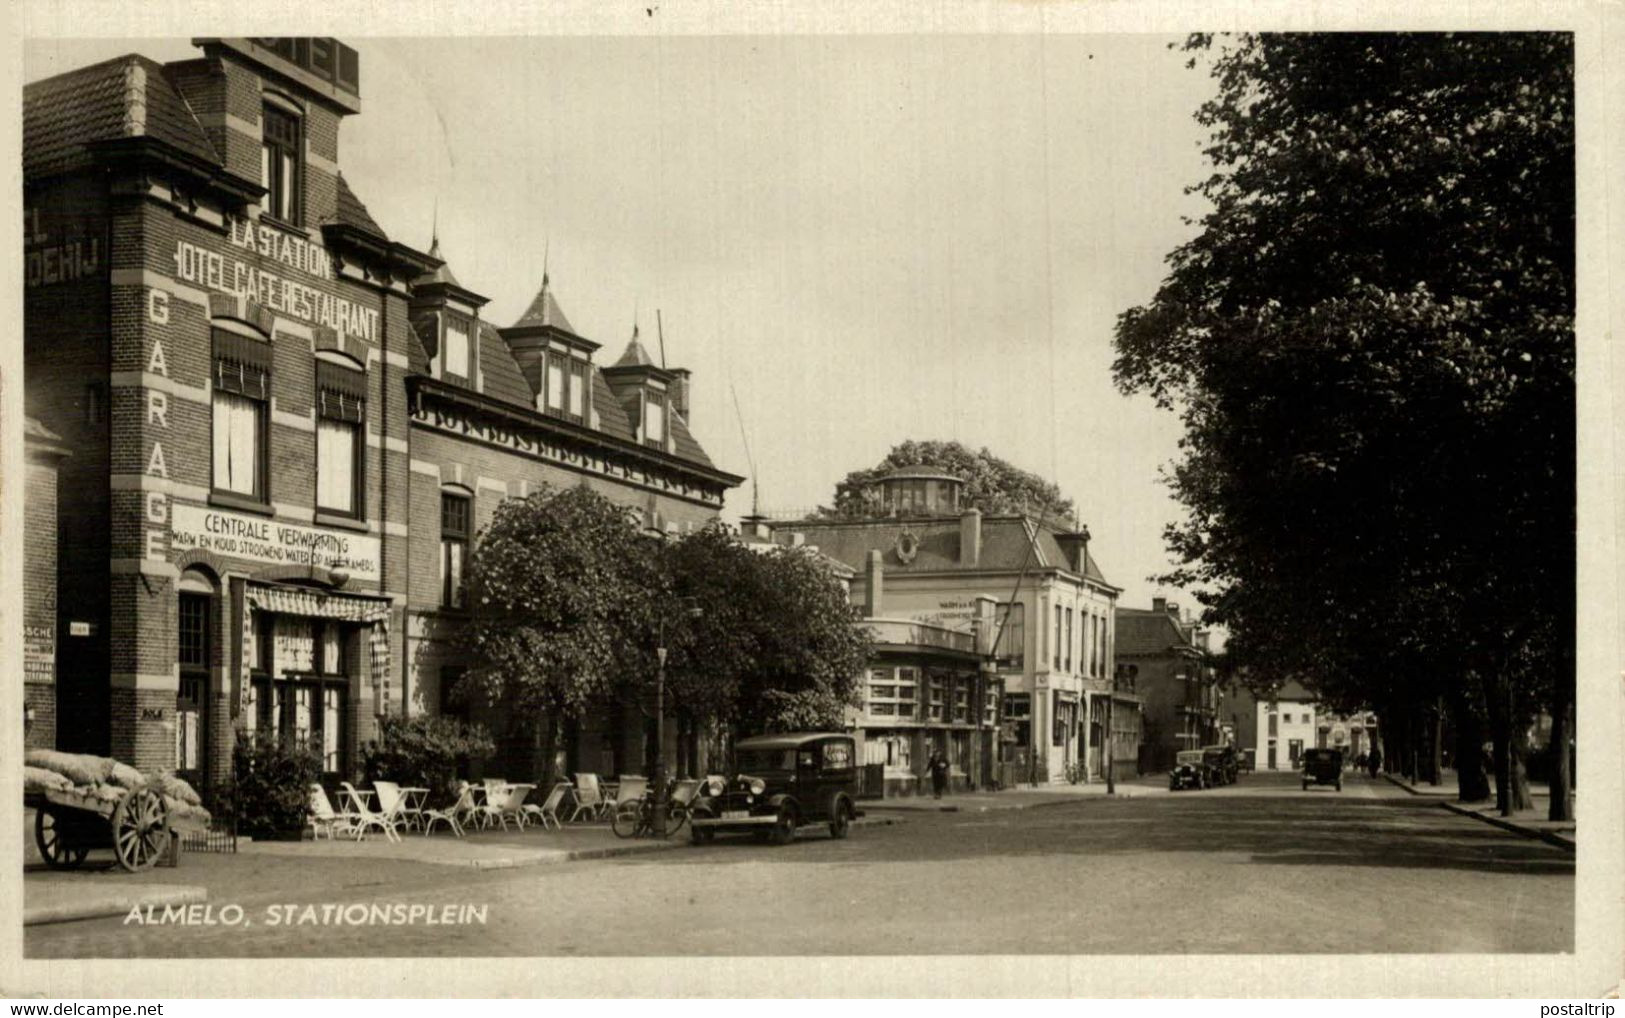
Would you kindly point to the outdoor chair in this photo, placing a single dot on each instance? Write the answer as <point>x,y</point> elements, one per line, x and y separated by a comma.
<point>391,803</point>
<point>366,816</point>
<point>324,818</point>
<point>453,815</point>
<point>548,811</point>
<point>510,805</point>
<point>589,798</point>
<point>628,793</point>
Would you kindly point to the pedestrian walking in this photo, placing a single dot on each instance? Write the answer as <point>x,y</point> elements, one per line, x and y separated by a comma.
<point>939,773</point>
<point>1374,761</point>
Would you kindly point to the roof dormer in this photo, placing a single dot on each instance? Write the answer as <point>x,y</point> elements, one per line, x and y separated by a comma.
<point>646,392</point>
<point>555,360</point>
<point>446,315</point>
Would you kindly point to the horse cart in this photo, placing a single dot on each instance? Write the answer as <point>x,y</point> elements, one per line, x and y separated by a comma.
<point>137,825</point>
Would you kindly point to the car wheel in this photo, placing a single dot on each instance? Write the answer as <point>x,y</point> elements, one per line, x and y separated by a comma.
<point>840,821</point>
<point>784,829</point>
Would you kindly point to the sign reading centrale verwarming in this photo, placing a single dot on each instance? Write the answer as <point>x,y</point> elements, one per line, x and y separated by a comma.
<point>262,540</point>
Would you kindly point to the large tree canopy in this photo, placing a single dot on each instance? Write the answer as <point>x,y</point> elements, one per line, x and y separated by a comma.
<point>1370,342</point>
<point>991,484</point>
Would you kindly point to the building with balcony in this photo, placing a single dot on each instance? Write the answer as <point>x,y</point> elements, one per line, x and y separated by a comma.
<point>1030,590</point>
<point>1166,657</point>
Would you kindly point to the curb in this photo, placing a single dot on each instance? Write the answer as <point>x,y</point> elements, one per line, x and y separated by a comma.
<point>1400,784</point>
<point>114,905</point>
<point>1550,837</point>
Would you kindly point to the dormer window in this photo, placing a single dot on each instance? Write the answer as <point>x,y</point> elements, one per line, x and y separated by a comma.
<point>654,419</point>
<point>566,386</point>
<point>280,164</point>
<point>455,361</point>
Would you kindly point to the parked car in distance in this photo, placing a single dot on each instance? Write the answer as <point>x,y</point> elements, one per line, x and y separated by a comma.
<point>1323,767</point>
<point>1190,771</point>
<point>1221,763</point>
<point>780,783</point>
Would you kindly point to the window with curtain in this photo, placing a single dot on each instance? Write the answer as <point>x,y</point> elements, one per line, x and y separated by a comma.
<point>242,389</point>
<point>654,418</point>
<point>280,164</point>
<point>578,389</point>
<point>340,418</point>
<point>454,534</point>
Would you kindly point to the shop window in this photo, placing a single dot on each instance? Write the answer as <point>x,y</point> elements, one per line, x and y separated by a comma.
<point>340,449</point>
<point>1018,706</point>
<point>654,419</point>
<point>455,511</point>
<point>280,164</point>
<point>242,392</point>
<point>1012,637</point>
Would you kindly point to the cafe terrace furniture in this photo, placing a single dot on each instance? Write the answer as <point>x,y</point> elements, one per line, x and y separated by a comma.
<point>548,811</point>
<point>365,815</point>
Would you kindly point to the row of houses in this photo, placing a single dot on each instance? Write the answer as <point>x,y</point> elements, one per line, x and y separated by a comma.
<point>263,435</point>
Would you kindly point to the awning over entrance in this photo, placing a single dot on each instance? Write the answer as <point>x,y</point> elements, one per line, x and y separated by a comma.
<point>367,611</point>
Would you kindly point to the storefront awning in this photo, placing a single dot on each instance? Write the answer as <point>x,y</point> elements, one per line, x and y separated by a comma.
<point>366,611</point>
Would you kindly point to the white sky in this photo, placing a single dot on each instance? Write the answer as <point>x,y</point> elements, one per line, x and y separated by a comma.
<point>869,238</point>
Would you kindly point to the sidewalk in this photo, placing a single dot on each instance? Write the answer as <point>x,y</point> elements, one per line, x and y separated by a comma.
<point>1531,823</point>
<point>273,867</point>
<point>1014,798</point>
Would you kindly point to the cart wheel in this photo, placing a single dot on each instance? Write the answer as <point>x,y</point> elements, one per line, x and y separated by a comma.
<point>140,830</point>
<point>53,847</point>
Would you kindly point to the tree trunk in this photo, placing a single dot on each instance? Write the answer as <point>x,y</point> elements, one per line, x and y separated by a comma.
<point>1472,784</point>
<point>1436,750</point>
<point>1562,806</point>
<point>1501,742</point>
<point>550,742</point>
<point>1518,795</point>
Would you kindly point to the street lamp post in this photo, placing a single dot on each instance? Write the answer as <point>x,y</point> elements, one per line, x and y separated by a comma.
<point>657,769</point>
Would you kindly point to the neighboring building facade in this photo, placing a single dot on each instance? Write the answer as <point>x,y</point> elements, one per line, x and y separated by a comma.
<point>43,452</point>
<point>1167,658</point>
<point>1275,731</point>
<point>1035,587</point>
<point>282,420</point>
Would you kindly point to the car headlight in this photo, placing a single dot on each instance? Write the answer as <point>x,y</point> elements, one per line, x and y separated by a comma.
<point>714,786</point>
<point>757,786</point>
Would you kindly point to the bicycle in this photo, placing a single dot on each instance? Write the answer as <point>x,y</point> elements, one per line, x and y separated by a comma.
<point>637,819</point>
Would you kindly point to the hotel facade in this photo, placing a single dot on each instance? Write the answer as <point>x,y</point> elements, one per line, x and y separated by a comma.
<point>274,431</point>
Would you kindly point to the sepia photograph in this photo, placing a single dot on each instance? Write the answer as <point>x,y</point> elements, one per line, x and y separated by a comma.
<point>679,495</point>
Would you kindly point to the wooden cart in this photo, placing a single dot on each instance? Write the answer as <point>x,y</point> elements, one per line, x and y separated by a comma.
<point>137,826</point>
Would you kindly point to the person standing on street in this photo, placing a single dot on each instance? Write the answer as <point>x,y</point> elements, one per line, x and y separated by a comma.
<point>939,773</point>
<point>1375,761</point>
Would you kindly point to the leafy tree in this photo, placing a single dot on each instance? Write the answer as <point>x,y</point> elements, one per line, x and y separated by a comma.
<point>774,647</point>
<point>562,589</point>
<point>425,751</point>
<point>1370,343</point>
<point>991,484</point>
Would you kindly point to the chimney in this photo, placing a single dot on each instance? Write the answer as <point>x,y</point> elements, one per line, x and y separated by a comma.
<point>681,386</point>
<point>1159,604</point>
<point>874,596</point>
<point>1075,546</point>
<point>970,537</point>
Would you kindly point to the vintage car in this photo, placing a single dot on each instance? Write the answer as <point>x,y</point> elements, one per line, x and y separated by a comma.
<point>780,783</point>
<point>1190,771</point>
<point>1221,764</point>
<point>1323,767</point>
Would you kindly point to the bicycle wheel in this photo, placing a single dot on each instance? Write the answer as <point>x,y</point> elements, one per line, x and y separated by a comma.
<point>676,817</point>
<point>627,821</point>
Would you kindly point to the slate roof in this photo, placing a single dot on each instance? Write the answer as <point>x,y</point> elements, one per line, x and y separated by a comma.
<point>1005,542</point>
<point>544,310</point>
<point>351,212</point>
<point>635,356</point>
<point>128,96</point>
<point>1149,631</point>
<point>500,372</point>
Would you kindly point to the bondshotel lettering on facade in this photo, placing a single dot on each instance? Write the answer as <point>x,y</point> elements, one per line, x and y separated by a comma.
<point>281,427</point>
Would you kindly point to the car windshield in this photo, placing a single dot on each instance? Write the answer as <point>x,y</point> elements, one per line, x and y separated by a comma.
<point>756,761</point>
<point>1189,756</point>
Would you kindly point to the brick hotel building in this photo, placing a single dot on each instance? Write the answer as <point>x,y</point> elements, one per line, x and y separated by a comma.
<point>273,431</point>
